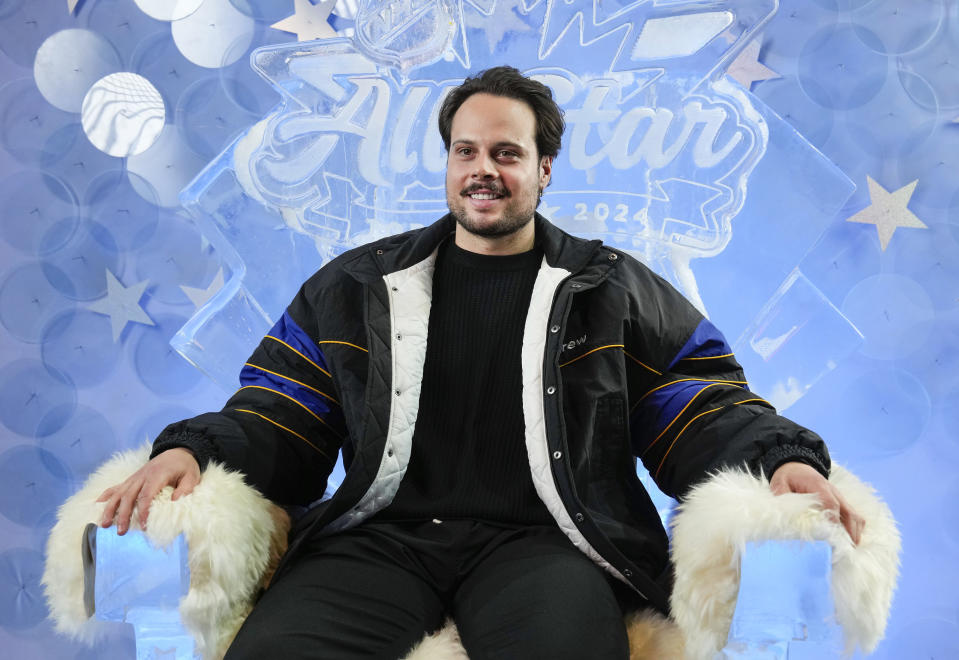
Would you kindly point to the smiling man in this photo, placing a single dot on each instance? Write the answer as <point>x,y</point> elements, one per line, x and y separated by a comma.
<point>490,381</point>
<point>495,173</point>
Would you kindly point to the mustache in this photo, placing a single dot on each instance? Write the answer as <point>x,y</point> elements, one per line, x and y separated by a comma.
<point>495,188</point>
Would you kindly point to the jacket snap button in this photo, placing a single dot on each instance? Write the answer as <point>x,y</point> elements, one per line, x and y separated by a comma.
<point>576,285</point>
<point>627,573</point>
<point>554,329</point>
<point>551,390</point>
<point>398,337</point>
<point>379,252</point>
<point>389,452</point>
<point>580,517</point>
<point>397,392</point>
<point>613,256</point>
<point>557,455</point>
<point>395,289</point>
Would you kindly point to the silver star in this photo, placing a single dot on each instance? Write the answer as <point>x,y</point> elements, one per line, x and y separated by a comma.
<point>308,21</point>
<point>747,69</point>
<point>888,211</point>
<point>122,304</point>
<point>199,297</point>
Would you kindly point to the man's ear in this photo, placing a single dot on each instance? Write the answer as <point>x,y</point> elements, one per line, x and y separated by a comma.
<point>545,171</point>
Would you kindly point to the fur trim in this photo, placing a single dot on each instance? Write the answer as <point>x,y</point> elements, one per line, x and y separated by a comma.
<point>442,645</point>
<point>651,637</point>
<point>233,551</point>
<point>718,518</point>
<point>230,549</point>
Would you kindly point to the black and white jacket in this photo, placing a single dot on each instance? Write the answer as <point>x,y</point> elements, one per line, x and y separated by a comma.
<point>616,365</point>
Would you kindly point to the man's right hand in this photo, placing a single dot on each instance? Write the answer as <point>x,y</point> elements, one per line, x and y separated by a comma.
<point>175,467</point>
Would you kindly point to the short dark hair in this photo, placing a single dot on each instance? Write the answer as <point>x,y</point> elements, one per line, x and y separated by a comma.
<point>509,82</point>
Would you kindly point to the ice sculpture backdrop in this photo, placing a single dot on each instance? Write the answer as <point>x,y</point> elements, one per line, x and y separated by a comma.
<point>791,166</point>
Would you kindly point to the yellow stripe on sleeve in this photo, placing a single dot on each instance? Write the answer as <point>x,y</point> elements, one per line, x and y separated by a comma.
<point>292,380</point>
<point>661,462</point>
<point>290,431</point>
<point>701,380</point>
<point>678,415</point>
<point>642,364</point>
<point>285,396</point>
<point>590,352</point>
<point>739,403</point>
<point>300,354</point>
<point>345,343</point>
<point>707,357</point>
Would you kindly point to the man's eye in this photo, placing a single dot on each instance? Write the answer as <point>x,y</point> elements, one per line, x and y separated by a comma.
<point>465,151</point>
<point>507,154</point>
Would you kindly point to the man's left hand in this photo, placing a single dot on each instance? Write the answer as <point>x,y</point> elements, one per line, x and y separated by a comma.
<point>795,477</point>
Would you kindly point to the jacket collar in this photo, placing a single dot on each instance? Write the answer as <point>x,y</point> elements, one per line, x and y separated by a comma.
<point>401,251</point>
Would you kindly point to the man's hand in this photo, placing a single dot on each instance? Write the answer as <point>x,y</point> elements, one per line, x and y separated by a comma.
<point>795,477</point>
<point>174,467</point>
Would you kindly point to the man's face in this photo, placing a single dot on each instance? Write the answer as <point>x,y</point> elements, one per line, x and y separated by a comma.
<point>494,176</point>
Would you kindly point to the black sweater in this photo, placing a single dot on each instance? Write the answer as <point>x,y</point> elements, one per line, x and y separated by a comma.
<point>469,455</point>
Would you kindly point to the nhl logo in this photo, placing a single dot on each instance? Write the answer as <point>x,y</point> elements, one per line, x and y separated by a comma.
<point>405,33</point>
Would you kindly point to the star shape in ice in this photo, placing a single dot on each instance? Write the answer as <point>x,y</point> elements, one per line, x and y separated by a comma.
<point>747,69</point>
<point>199,297</point>
<point>495,26</point>
<point>122,304</point>
<point>309,21</point>
<point>887,210</point>
<point>547,210</point>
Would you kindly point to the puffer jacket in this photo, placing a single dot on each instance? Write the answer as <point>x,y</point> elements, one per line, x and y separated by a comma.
<point>616,365</point>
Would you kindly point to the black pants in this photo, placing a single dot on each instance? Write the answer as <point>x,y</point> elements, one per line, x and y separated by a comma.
<point>375,590</point>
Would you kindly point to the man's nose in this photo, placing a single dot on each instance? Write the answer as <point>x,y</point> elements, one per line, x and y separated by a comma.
<point>485,168</point>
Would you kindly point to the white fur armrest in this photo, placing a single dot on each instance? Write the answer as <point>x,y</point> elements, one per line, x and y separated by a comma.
<point>234,538</point>
<point>731,508</point>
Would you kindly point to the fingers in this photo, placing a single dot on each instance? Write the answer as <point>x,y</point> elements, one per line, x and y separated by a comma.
<point>829,500</point>
<point>841,512</point>
<point>852,521</point>
<point>125,506</point>
<point>800,478</point>
<point>187,483</point>
<point>145,498</point>
<point>171,468</point>
<point>119,503</point>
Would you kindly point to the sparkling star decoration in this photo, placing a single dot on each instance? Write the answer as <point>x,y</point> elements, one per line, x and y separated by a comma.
<point>122,304</point>
<point>199,297</point>
<point>747,69</point>
<point>308,21</point>
<point>888,211</point>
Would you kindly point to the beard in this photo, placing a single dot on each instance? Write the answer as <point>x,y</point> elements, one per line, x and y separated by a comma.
<point>518,211</point>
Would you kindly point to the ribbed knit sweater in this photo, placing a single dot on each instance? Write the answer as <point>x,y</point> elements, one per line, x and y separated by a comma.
<point>469,456</point>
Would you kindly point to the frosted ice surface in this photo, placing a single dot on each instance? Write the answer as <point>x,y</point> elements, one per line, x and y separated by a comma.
<point>142,585</point>
<point>661,156</point>
<point>785,607</point>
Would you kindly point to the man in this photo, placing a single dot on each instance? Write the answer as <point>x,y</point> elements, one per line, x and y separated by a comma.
<point>490,459</point>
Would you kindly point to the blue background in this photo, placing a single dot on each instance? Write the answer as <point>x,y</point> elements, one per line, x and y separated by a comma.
<point>873,85</point>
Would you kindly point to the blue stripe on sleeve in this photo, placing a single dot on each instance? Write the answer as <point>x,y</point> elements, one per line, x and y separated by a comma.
<point>287,330</point>
<point>664,405</point>
<point>706,341</point>
<point>316,403</point>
